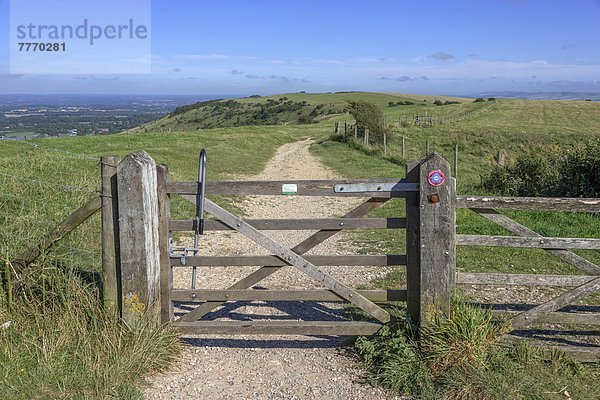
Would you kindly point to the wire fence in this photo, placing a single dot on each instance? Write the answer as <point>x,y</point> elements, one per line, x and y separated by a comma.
<point>38,190</point>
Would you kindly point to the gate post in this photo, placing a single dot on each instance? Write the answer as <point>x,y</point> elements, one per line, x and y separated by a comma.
<point>110,242</point>
<point>138,239</point>
<point>430,241</point>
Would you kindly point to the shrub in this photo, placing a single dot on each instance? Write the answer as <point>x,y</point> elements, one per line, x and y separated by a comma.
<point>478,100</point>
<point>462,344</point>
<point>531,175</point>
<point>491,98</point>
<point>438,103</point>
<point>580,173</point>
<point>305,119</point>
<point>572,174</point>
<point>369,116</point>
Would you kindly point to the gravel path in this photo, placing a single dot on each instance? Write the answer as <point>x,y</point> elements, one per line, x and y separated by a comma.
<point>271,367</point>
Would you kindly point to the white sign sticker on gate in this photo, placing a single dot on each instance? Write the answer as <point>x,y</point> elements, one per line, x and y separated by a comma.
<point>289,188</point>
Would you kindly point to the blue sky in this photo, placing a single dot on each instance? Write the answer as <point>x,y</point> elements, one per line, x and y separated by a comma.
<point>269,46</point>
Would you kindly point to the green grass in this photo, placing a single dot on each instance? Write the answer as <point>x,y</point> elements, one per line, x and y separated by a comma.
<point>61,345</point>
<point>457,358</point>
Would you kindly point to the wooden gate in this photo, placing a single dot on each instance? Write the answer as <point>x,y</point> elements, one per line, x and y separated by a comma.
<point>146,276</point>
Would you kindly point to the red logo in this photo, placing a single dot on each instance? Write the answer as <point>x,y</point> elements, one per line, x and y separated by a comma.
<point>436,178</point>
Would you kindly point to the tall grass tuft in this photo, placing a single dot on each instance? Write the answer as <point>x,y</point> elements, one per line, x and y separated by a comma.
<point>62,344</point>
<point>462,341</point>
<point>457,358</point>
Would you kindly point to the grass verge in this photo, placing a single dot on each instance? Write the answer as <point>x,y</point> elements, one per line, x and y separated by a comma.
<point>457,358</point>
<point>57,343</point>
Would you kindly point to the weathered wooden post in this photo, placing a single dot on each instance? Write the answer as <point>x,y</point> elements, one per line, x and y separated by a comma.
<point>403,152</point>
<point>430,242</point>
<point>110,224</point>
<point>355,132</point>
<point>500,158</point>
<point>385,144</point>
<point>166,271</point>
<point>139,239</point>
<point>337,128</point>
<point>456,161</point>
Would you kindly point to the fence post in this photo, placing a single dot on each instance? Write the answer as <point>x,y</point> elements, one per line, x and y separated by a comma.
<point>456,161</point>
<point>384,144</point>
<point>430,241</point>
<point>166,271</point>
<point>139,239</point>
<point>500,158</point>
<point>110,224</point>
<point>402,147</point>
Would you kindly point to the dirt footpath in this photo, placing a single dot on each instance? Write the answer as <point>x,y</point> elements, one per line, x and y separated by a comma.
<point>272,367</point>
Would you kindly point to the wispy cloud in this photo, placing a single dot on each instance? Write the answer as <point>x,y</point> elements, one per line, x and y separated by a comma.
<point>441,56</point>
<point>11,76</point>
<point>204,57</point>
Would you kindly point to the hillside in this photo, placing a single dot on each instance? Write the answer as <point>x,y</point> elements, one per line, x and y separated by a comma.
<point>481,129</point>
<point>301,108</point>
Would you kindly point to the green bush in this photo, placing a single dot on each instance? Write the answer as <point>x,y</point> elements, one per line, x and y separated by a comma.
<point>369,116</point>
<point>580,173</point>
<point>478,100</point>
<point>530,175</point>
<point>305,119</point>
<point>572,174</point>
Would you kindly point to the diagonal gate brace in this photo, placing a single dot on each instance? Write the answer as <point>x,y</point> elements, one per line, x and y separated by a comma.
<point>297,261</point>
<point>255,277</point>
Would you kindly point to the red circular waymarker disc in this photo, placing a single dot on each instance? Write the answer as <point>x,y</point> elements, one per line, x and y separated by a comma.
<point>436,178</point>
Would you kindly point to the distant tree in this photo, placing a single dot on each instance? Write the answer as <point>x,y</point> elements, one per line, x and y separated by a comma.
<point>305,119</point>
<point>491,98</point>
<point>478,100</point>
<point>369,116</point>
<point>438,103</point>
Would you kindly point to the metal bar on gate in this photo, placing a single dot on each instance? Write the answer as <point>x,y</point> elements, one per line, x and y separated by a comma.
<point>199,225</point>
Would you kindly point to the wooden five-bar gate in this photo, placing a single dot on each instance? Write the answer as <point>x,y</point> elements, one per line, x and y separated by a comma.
<point>138,255</point>
<point>139,227</point>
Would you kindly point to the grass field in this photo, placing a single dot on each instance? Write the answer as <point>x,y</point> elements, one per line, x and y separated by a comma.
<point>44,184</point>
